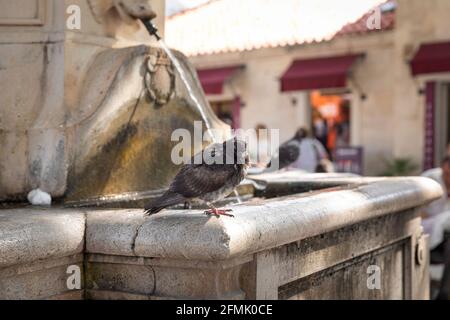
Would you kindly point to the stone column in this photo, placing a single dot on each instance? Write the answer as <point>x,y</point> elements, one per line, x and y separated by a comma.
<point>32,111</point>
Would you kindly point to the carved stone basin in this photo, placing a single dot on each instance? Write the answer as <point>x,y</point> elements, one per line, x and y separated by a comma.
<point>125,145</point>
<point>320,245</point>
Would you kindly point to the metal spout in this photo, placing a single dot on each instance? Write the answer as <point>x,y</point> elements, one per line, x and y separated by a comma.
<point>152,30</point>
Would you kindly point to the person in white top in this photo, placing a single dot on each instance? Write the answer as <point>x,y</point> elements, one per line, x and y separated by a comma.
<point>312,152</point>
<point>436,216</point>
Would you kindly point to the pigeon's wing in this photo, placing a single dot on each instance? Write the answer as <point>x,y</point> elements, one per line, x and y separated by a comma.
<point>195,180</point>
<point>287,154</point>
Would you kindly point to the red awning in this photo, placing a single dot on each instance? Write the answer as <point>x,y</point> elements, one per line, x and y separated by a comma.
<point>432,58</point>
<point>320,73</point>
<point>212,80</point>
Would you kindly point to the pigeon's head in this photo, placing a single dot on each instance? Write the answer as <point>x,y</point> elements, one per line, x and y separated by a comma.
<point>236,149</point>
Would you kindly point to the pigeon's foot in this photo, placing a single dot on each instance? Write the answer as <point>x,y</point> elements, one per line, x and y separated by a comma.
<point>219,212</point>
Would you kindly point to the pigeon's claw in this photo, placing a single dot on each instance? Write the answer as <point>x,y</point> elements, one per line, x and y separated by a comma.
<point>219,212</point>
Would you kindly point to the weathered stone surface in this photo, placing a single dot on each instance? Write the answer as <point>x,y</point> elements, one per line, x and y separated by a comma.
<point>281,244</point>
<point>113,231</point>
<point>276,184</point>
<point>34,234</point>
<point>112,276</point>
<point>335,265</point>
<point>271,249</point>
<point>121,277</point>
<point>37,246</point>
<point>273,223</point>
<point>44,279</point>
<point>332,265</point>
<point>349,282</point>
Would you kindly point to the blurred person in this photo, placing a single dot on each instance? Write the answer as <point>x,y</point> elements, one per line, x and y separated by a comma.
<point>435,220</point>
<point>436,214</point>
<point>448,149</point>
<point>313,155</point>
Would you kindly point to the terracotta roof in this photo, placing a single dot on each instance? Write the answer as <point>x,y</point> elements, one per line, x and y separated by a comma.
<point>239,25</point>
<point>387,21</point>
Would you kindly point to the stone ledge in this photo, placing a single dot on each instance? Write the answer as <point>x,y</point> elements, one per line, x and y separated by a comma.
<point>183,248</point>
<point>33,234</point>
<point>191,235</point>
<point>113,231</point>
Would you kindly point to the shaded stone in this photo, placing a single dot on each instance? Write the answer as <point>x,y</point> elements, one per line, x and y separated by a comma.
<point>45,279</point>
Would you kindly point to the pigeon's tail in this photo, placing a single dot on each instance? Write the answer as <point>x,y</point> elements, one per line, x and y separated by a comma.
<point>166,200</point>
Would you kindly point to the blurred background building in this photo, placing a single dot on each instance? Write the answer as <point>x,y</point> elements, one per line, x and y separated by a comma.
<point>370,77</point>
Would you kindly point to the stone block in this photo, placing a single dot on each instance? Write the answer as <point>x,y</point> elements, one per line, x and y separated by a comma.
<point>36,234</point>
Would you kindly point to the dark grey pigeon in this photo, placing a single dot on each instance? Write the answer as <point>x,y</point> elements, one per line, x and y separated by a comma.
<point>219,168</point>
<point>288,152</point>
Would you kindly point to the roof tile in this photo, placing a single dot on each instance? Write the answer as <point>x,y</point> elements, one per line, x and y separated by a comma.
<point>236,25</point>
<point>359,27</point>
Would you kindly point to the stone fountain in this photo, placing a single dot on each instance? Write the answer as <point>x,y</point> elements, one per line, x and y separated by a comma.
<point>87,116</point>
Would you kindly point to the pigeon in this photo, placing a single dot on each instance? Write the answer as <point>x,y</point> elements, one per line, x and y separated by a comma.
<point>288,152</point>
<point>211,175</point>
